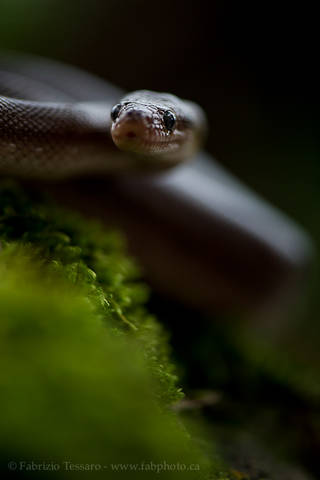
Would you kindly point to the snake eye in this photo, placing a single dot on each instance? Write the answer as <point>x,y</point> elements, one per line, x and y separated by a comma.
<point>169,120</point>
<point>115,111</point>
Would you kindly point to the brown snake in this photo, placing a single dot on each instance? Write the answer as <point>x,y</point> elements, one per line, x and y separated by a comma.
<point>47,132</point>
<point>200,234</point>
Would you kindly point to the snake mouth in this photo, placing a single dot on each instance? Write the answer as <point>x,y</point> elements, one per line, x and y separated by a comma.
<point>131,134</point>
<point>138,136</point>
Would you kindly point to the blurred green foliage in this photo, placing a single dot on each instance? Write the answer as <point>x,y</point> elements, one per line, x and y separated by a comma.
<point>85,376</point>
<point>85,256</point>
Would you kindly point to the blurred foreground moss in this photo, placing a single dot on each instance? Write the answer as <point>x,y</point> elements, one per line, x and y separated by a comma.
<point>87,257</point>
<point>85,379</point>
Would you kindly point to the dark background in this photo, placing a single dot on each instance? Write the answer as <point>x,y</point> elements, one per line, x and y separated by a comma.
<point>253,67</point>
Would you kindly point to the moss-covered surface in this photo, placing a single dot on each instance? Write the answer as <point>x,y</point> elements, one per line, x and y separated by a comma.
<point>85,372</point>
<point>89,258</point>
<point>86,376</point>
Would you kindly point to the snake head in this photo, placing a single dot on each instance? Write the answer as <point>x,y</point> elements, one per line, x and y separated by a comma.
<point>157,125</point>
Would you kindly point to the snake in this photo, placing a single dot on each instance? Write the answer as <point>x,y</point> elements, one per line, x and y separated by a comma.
<point>201,235</point>
<point>57,121</point>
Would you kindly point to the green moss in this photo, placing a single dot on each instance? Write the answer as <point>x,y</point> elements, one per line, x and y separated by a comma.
<point>83,253</point>
<point>70,389</point>
<point>85,370</point>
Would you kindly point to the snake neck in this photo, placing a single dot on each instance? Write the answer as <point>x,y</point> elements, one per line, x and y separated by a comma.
<point>56,140</point>
<point>44,118</point>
